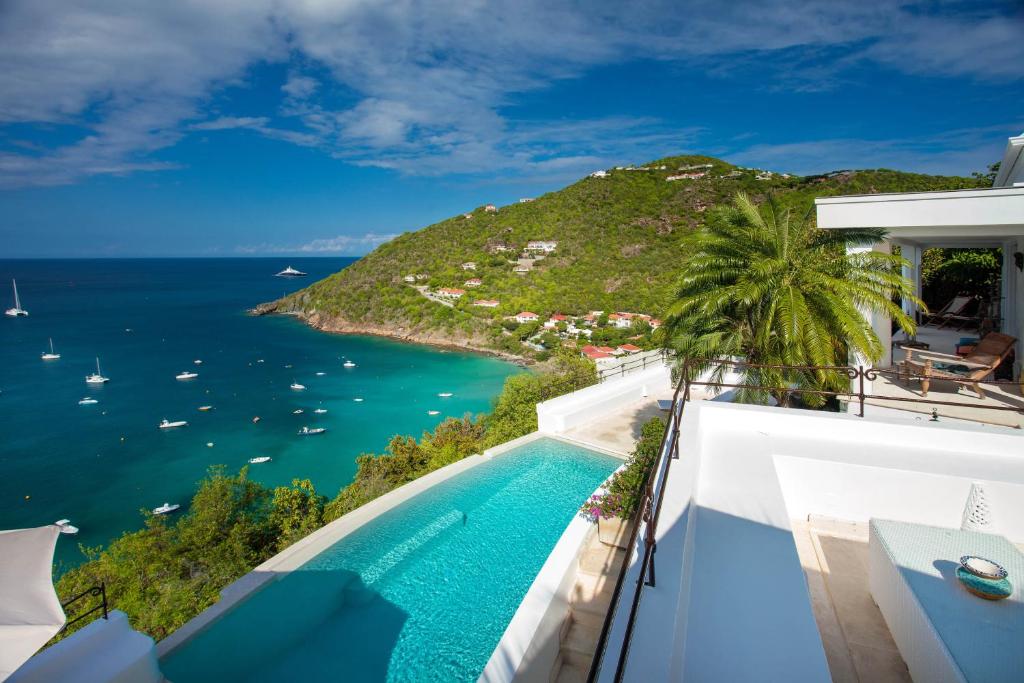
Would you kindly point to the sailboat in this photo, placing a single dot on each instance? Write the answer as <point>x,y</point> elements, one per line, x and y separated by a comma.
<point>97,377</point>
<point>51,355</point>
<point>17,310</point>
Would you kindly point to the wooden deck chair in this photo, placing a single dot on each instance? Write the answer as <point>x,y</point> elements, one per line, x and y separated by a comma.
<point>957,306</point>
<point>970,370</point>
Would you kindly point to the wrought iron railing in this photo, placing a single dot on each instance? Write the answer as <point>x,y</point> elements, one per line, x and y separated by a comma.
<point>99,591</point>
<point>645,519</point>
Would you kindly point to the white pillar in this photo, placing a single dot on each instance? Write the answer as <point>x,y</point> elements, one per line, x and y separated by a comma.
<point>880,322</point>
<point>912,272</point>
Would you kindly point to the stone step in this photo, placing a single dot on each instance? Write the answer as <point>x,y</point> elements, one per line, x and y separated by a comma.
<point>594,619</point>
<point>598,559</point>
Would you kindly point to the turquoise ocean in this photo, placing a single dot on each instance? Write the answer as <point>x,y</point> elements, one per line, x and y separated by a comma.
<point>148,320</point>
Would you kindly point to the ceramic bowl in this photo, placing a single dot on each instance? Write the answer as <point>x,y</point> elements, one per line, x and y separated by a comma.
<point>979,566</point>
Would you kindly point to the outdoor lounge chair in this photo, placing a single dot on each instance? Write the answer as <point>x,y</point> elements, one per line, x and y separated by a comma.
<point>956,309</point>
<point>972,369</point>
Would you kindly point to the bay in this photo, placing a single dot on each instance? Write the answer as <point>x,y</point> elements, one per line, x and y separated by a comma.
<point>150,319</point>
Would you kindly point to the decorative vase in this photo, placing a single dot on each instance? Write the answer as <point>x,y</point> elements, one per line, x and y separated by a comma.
<point>614,531</point>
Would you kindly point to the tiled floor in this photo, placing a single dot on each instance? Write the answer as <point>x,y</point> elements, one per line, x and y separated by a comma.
<point>617,431</point>
<point>857,642</point>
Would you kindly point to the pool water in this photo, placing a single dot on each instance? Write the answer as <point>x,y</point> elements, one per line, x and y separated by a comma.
<point>421,593</point>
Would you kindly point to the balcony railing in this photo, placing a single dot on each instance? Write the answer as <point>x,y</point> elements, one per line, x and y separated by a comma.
<point>99,591</point>
<point>647,360</point>
<point>645,519</point>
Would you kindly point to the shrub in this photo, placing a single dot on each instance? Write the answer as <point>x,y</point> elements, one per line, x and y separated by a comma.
<point>624,490</point>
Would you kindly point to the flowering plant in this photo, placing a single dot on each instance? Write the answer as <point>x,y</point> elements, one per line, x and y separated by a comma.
<point>603,506</point>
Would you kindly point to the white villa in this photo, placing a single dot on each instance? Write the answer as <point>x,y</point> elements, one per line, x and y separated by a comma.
<point>469,265</point>
<point>546,246</point>
<point>599,174</point>
<point>526,317</point>
<point>878,543</point>
<point>487,303</point>
<point>473,282</point>
<point>450,293</point>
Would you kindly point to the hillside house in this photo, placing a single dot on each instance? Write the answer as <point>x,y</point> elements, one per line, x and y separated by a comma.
<point>527,317</point>
<point>599,174</point>
<point>467,215</point>
<point>450,293</point>
<point>491,208</point>
<point>409,278</point>
<point>620,320</point>
<point>765,175</point>
<point>526,200</point>
<point>499,248</point>
<point>553,321</point>
<point>520,269</point>
<point>546,246</point>
<point>487,303</point>
<point>687,176</point>
<point>469,265</point>
<point>629,348</point>
<point>473,282</point>
<point>422,276</point>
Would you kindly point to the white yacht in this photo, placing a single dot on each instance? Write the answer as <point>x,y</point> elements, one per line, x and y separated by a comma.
<point>197,361</point>
<point>445,394</point>
<point>320,374</point>
<point>167,424</point>
<point>204,409</point>
<point>320,411</point>
<point>165,508</point>
<point>66,527</point>
<point>297,387</point>
<point>433,412</point>
<point>186,375</point>
<point>297,411</point>
<point>260,459</point>
<point>17,311</point>
<point>290,272</point>
<point>51,355</point>
<point>97,377</point>
<point>307,431</point>
<point>88,401</point>
<point>348,364</point>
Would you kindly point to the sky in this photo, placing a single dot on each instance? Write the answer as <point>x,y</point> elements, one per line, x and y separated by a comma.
<point>308,127</point>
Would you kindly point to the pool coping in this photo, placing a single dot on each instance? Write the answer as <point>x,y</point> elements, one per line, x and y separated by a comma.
<point>303,550</point>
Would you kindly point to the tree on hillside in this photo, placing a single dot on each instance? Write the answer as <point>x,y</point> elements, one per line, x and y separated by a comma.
<point>763,284</point>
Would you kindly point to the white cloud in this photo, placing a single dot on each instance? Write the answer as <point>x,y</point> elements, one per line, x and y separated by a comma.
<point>342,244</point>
<point>432,81</point>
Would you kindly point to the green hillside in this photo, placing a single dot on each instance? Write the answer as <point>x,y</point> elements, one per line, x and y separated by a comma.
<point>619,240</point>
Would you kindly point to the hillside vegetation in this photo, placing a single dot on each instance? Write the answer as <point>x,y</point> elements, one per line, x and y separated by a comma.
<point>618,248</point>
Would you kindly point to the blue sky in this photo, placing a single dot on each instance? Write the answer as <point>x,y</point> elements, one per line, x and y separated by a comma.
<point>262,127</point>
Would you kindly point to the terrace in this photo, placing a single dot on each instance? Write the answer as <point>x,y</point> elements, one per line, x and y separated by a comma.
<point>755,542</point>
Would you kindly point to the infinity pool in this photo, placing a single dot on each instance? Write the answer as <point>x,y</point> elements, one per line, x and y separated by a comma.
<point>421,593</point>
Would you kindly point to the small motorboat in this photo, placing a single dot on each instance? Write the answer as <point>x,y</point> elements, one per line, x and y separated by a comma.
<point>97,377</point>
<point>167,424</point>
<point>358,400</point>
<point>256,419</point>
<point>197,361</point>
<point>259,360</point>
<point>88,401</point>
<point>320,411</point>
<point>433,412</point>
<point>66,527</point>
<point>445,394</point>
<point>209,444</point>
<point>307,431</point>
<point>203,409</point>
<point>297,387</point>
<point>348,364</point>
<point>51,355</point>
<point>166,508</point>
<point>260,459</point>
<point>297,411</point>
<point>320,374</point>
<point>186,375</point>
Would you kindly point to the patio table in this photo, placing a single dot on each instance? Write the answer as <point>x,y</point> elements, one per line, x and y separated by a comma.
<point>943,632</point>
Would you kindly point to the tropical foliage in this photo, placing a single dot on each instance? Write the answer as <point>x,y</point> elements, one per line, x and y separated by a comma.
<point>946,273</point>
<point>764,284</point>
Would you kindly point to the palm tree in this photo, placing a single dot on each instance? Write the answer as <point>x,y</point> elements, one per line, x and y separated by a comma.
<point>773,289</point>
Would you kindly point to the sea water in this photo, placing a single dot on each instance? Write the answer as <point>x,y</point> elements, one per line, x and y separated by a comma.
<point>422,593</point>
<point>150,319</point>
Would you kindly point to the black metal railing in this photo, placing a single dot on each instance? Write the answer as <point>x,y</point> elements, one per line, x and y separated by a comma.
<point>645,361</point>
<point>645,519</point>
<point>99,591</point>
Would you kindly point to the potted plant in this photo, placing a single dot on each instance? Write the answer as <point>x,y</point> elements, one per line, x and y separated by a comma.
<point>612,507</point>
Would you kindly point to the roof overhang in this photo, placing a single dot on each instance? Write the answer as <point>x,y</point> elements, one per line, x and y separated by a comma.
<point>1011,168</point>
<point>954,218</point>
